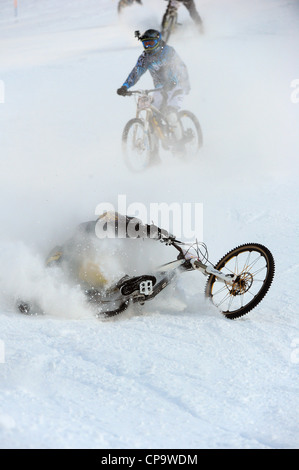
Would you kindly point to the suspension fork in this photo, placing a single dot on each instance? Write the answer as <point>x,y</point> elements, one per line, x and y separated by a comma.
<point>210,270</point>
<point>146,122</point>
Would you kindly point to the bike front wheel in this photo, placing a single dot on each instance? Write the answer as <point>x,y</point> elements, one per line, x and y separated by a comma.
<point>253,265</point>
<point>168,25</point>
<point>136,145</point>
<point>192,133</point>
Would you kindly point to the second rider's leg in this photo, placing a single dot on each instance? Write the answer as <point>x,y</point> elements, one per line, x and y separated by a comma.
<point>190,5</point>
<point>175,97</point>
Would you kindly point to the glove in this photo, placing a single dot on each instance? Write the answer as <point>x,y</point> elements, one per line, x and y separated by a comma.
<point>163,233</point>
<point>122,91</point>
<point>154,232</point>
<point>168,240</point>
<point>165,237</point>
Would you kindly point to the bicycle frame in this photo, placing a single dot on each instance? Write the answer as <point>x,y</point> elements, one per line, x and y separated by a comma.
<point>195,261</point>
<point>190,259</point>
<point>152,126</point>
<point>187,261</point>
<point>151,112</point>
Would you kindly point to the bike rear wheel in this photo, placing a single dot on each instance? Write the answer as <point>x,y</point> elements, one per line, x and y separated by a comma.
<point>136,145</point>
<point>253,264</point>
<point>192,133</point>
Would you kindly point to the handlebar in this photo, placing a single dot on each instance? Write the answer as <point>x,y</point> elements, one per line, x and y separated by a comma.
<point>169,240</point>
<point>199,249</point>
<point>142,92</point>
<point>172,241</point>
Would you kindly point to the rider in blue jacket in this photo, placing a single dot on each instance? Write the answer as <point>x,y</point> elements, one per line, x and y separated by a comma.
<point>169,74</point>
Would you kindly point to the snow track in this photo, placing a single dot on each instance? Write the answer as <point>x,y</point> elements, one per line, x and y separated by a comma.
<point>175,374</point>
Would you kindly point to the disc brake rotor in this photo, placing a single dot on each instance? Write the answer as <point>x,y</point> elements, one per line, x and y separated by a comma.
<point>242,284</point>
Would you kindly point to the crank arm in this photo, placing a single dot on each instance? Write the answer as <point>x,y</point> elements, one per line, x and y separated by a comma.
<point>207,270</point>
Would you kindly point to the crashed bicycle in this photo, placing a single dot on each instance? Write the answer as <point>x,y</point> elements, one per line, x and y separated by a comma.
<point>235,285</point>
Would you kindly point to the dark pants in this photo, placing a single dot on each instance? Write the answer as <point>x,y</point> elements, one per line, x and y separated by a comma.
<point>190,5</point>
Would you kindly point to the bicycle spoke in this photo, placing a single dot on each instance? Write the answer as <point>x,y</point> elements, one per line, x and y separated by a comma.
<point>259,270</point>
<point>228,295</point>
<point>220,290</point>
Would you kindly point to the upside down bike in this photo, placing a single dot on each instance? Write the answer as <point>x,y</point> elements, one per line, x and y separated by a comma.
<point>142,134</point>
<point>235,285</point>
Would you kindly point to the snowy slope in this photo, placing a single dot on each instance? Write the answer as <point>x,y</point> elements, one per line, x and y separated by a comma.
<point>175,374</point>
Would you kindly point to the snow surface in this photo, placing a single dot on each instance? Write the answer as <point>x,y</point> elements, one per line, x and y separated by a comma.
<point>175,374</point>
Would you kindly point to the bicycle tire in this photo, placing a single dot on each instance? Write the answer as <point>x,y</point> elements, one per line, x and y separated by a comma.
<point>141,146</point>
<point>199,136</point>
<point>117,311</point>
<point>168,25</point>
<point>245,281</point>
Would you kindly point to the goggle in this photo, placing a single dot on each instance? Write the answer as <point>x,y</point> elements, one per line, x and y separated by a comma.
<point>149,42</point>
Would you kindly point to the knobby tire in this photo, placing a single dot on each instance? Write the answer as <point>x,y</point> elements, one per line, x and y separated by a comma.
<point>232,293</point>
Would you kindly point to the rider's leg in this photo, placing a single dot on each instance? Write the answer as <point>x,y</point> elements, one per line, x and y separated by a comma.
<point>158,99</point>
<point>124,3</point>
<point>91,274</point>
<point>190,5</point>
<point>175,97</point>
<point>172,119</point>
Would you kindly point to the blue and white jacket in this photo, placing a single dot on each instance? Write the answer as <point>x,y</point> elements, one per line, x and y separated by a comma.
<point>165,67</point>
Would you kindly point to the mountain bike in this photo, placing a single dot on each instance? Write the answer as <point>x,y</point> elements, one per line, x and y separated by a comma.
<point>142,134</point>
<point>170,19</point>
<point>235,285</point>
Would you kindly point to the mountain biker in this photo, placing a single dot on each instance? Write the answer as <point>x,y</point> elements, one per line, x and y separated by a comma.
<point>169,74</point>
<point>190,5</point>
<point>80,256</point>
